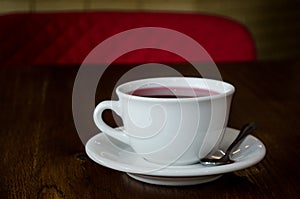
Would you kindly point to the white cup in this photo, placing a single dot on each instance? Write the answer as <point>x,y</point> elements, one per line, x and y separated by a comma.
<point>167,130</point>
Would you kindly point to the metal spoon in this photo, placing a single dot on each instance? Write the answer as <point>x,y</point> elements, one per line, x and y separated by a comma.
<point>218,157</point>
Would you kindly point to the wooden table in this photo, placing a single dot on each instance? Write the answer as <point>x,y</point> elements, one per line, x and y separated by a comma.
<point>43,157</point>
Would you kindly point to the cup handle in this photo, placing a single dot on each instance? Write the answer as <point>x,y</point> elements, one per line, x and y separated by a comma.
<point>114,106</point>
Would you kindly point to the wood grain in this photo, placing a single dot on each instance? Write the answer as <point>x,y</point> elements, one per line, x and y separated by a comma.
<point>43,157</point>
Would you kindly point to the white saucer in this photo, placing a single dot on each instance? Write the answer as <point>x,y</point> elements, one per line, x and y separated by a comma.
<point>116,155</point>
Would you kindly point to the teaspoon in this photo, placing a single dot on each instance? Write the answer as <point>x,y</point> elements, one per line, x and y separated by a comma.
<point>218,157</point>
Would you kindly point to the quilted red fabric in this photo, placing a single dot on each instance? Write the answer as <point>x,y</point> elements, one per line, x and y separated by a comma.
<point>67,38</point>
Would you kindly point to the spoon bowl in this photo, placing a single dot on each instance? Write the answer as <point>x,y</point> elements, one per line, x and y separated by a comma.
<point>218,157</point>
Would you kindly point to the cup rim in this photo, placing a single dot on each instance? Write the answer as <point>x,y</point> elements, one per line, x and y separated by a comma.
<point>120,89</point>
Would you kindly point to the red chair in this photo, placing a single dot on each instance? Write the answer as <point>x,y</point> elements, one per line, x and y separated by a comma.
<point>67,38</point>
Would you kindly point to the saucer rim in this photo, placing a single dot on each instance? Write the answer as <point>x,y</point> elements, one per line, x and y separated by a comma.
<point>179,171</point>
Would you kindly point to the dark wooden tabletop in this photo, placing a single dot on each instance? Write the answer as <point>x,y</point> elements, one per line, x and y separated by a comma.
<point>42,155</point>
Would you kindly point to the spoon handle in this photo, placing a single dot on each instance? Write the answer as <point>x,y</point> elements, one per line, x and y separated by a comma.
<point>245,130</point>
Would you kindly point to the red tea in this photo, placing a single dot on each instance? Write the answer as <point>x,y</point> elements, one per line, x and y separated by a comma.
<point>173,92</point>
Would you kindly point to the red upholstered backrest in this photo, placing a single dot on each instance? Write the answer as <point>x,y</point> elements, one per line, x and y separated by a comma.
<point>67,38</point>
